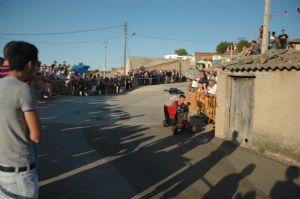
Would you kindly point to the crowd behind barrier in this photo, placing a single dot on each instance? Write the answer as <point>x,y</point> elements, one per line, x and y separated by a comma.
<point>205,88</point>
<point>60,80</point>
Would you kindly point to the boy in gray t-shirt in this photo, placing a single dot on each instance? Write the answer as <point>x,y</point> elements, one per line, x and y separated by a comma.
<point>19,124</point>
<point>15,145</point>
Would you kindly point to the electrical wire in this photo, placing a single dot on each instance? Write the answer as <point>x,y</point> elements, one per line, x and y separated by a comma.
<point>77,42</point>
<point>173,39</point>
<point>68,42</point>
<point>62,33</point>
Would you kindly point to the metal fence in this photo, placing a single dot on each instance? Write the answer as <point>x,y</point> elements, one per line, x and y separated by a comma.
<point>207,105</point>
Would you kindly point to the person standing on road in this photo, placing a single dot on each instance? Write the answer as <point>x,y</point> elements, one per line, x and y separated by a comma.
<point>283,39</point>
<point>20,126</point>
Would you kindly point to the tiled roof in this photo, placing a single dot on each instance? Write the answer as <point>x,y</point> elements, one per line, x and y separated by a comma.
<point>271,61</point>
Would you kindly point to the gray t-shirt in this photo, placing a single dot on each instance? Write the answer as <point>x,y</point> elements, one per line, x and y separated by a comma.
<point>16,97</point>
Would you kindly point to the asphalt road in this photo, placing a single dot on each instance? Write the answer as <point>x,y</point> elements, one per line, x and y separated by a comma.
<point>115,147</point>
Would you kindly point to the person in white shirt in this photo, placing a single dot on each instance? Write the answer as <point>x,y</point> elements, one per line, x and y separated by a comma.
<point>212,86</point>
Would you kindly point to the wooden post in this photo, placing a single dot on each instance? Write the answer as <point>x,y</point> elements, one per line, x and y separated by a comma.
<point>125,46</point>
<point>265,40</point>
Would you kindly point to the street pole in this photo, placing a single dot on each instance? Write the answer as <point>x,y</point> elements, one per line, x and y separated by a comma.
<point>180,69</point>
<point>230,51</point>
<point>125,46</point>
<point>105,57</point>
<point>265,39</point>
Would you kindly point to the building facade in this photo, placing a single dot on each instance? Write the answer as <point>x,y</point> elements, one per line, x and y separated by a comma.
<point>258,104</point>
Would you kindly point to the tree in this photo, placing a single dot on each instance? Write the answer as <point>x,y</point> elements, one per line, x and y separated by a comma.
<point>241,44</point>
<point>181,52</point>
<point>222,47</point>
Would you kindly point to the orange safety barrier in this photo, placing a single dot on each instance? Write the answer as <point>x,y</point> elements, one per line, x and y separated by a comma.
<point>207,105</point>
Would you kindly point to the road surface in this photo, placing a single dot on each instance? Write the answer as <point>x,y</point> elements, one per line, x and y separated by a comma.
<point>115,147</point>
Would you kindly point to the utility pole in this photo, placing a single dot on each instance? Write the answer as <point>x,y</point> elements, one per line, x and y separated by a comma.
<point>265,39</point>
<point>180,66</point>
<point>125,46</point>
<point>231,50</point>
<point>105,57</point>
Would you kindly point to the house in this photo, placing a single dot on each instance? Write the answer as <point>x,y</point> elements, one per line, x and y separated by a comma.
<point>216,59</point>
<point>205,58</point>
<point>180,57</point>
<point>258,102</point>
<point>228,55</point>
<point>295,44</point>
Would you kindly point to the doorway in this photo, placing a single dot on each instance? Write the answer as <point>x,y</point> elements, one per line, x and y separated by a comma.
<point>241,109</point>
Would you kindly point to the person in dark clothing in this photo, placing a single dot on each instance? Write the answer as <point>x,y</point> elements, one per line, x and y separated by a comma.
<point>283,39</point>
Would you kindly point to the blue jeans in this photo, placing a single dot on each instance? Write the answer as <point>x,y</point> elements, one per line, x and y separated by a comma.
<point>20,185</point>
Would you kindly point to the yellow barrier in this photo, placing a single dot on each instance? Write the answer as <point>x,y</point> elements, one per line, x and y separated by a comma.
<point>207,105</point>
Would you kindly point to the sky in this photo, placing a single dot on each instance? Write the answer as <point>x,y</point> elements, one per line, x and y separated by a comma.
<point>155,27</point>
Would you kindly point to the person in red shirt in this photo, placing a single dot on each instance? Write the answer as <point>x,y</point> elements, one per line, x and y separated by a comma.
<point>4,69</point>
<point>179,102</point>
<point>170,111</point>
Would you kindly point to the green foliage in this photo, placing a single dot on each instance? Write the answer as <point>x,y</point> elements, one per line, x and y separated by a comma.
<point>241,44</point>
<point>222,47</point>
<point>181,52</point>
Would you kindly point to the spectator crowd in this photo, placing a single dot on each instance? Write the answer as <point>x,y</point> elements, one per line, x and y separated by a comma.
<point>274,42</point>
<point>205,83</point>
<point>59,79</point>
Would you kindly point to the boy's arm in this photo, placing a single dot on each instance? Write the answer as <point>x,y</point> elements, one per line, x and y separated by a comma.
<point>34,125</point>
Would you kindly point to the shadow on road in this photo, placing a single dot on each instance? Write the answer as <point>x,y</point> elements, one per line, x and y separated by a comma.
<point>184,179</point>
<point>226,188</point>
<point>103,159</point>
<point>288,188</point>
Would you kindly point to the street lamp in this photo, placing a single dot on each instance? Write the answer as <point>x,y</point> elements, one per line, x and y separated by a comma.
<point>105,56</point>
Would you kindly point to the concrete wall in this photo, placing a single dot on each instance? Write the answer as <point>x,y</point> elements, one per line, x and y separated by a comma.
<point>276,124</point>
<point>276,118</point>
<point>136,62</point>
<point>223,105</point>
<point>173,64</point>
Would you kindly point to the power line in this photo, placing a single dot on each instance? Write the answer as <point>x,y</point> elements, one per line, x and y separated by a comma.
<point>173,39</point>
<point>67,42</point>
<point>63,33</point>
<point>78,42</point>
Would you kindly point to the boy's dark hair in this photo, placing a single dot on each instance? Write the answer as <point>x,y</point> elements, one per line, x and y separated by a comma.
<point>19,53</point>
<point>182,96</point>
<point>6,47</point>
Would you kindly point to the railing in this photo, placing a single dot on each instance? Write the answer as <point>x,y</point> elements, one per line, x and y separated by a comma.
<point>207,105</point>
